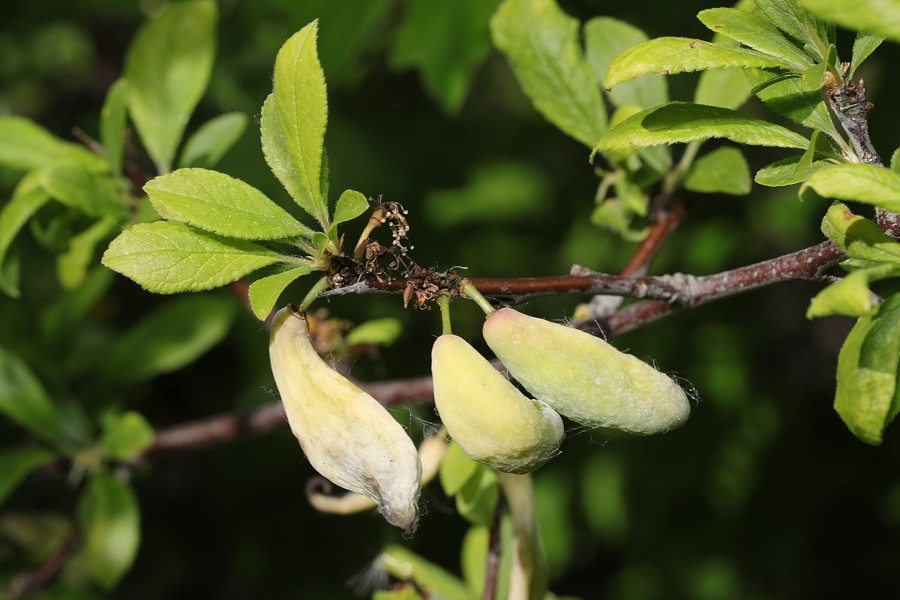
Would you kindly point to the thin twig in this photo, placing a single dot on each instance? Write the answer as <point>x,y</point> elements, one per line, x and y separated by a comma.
<point>33,581</point>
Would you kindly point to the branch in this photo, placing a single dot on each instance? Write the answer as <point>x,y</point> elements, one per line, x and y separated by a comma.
<point>807,264</point>
<point>226,427</point>
<point>30,582</point>
<point>849,104</point>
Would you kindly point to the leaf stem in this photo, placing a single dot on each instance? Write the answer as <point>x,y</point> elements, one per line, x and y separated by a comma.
<point>320,286</point>
<point>444,303</point>
<point>473,294</point>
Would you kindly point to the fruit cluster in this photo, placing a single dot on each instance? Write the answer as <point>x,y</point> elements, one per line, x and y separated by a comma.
<point>354,442</point>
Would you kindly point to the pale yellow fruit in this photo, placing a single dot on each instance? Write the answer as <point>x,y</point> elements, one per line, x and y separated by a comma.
<point>583,377</point>
<point>345,433</point>
<point>489,418</point>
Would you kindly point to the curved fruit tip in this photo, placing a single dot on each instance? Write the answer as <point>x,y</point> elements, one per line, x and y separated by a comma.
<point>583,377</point>
<point>489,418</point>
<point>348,437</point>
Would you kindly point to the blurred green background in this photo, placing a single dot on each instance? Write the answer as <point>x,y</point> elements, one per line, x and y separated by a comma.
<point>763,494</point>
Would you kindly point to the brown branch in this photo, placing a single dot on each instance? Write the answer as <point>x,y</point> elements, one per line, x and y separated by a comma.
<point>27,583</point>
<point>228,426</point>
<point>849,104</point>
<point>807,264</point>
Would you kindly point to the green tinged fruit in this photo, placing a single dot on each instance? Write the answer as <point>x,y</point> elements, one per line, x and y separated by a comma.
<point>487,416</point>
<point>345,433</point>
<point>583,377</point>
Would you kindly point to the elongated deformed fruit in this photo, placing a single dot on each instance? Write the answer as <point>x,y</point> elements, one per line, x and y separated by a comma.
<point>345,433</point>
<point>489,418</point>
<point>583,377</point>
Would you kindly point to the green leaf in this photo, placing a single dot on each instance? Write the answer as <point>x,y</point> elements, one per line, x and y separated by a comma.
<point>221,204</point>
<point>867,373</point>
<point>168,67</point>
<point>788,17</point>
<point>851,295</point>
<point>726,88</point>
<point>895,161</point>
<point>478,498</point>
<point>25,145</point>
<point>265,291</point>
<point>672,55</point>
<point>24,400</point>
<point>405,565</point>
<point>858,237</point>
<point>604,39</point>
<point>169,338</point>
<point>790,98</point>
<point>680,122</point>
<point>473,558</point>
<point>787,172</point>
<point>72,183</point>
<point>863,46</point>
<point>858,182</point>
<point>350,205</point>
<point>72,265</point>
<point>381,332</point>
<point>445,41</point>
<point>881,17</point>
<point>278,158</point>
<point>16,463</point>
<point>15,213</point>
<point>110,519</point>
<point>456,469</point>
<point>301,106</point>
<point>166,257</point>
<point>542,45</point>
<point>125,435</point>
<point>113,117</point>
<point>756,32</point>
<point>723,170</point>
<point>214,138</point>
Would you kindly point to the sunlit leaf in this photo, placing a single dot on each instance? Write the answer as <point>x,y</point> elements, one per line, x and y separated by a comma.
<point>851,295</point>
<point>75,185</point>
<point>383,332</point>
<point>604,39</point>
<point>456,469</point>
<point>858,237</point>
<point>672,55</point>
<point>867,373</point>
<point>863,46</point>
<point>857,182</point>
<point>168,67</point>
<point>880,17</point>
<point>405,565</point>
<point>680,122</point>
<point>167,257</point>
<point>542,44</point>
<point>300,104</point>
<point>26,145</point>
<point>221,204</point>
<point>265,291</point>
<point>786,172</point>
<point>756,32</point>
<point>214,138</point>
<point>789,97</point>
<point>726,88</point>
<point>350,205</point>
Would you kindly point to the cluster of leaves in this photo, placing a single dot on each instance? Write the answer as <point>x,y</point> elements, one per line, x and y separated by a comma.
<point>783,54</point>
